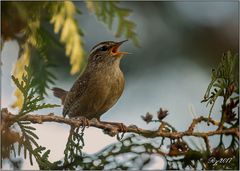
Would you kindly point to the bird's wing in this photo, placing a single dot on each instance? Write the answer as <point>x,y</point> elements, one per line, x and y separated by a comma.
<point>75,92</point>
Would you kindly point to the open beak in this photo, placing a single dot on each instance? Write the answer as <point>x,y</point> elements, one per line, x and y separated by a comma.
<point>115,48</point>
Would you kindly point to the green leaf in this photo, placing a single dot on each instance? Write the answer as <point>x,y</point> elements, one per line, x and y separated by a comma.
<point>19,148</point>
<point>40,64</point>
<point>64,23</point>
<point>30,103</point>
<point>28,127</point>
<point>106,11</point>
<point>31,133</point>
<point>30,157</point>
<point>46,154</point>
<point>223,76</point>
<point>25,152</point>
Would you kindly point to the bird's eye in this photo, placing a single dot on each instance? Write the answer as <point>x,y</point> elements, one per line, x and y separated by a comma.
<point>104,48</point>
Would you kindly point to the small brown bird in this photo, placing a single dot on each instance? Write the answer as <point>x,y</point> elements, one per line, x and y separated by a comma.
<point>100,85</point>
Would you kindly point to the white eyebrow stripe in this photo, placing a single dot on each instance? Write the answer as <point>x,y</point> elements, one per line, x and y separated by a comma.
<point>101,44</point>
<point>97,47</point>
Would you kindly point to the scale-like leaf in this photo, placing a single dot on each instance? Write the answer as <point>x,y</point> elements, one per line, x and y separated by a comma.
<point>222,78</point>
<point>46,154</point>
<point>106,11</point>
<point>28,127</point>
<point>30,133</point>
<point>30,157</point>
<point>30,103</point>
<point>63,20</point>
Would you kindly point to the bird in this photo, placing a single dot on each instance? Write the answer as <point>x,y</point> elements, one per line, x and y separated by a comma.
<point>99,87</point>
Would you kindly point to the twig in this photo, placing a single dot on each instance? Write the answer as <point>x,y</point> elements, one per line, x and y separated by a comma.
<point>201,119</point>
<point>112,129</point>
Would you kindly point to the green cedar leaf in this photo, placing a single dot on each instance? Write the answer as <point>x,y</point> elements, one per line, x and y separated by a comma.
<point>106,11</point>
<point>223,76</point>
<point>46,154</point>
<point>30,133</point>
<point>28,127</point>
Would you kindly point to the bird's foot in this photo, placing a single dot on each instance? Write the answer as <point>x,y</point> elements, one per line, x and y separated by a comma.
<point>84,120</point>
<point>122,127</point>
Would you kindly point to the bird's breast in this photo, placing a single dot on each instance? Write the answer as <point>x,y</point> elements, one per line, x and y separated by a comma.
<point>109,89</point>
<point>113,83</point>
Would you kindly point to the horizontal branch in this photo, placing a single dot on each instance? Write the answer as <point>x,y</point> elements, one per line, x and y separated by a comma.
<point>113,129</point>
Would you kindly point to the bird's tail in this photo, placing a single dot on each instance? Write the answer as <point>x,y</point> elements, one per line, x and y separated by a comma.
<point>59,93</point>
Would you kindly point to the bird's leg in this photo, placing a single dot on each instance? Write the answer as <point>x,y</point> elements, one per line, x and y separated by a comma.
<point>121,126</point>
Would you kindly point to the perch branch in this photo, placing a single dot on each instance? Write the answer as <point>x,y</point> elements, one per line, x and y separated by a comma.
<point>112,129</point>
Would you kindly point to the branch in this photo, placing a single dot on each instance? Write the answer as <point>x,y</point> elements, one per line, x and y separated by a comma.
<point>199,120</point>
<point>112,129</point>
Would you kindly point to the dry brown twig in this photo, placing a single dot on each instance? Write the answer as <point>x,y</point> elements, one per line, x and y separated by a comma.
<point>112,129</point>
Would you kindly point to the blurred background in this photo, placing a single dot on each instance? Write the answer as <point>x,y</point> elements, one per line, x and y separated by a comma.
<point>180,42</point>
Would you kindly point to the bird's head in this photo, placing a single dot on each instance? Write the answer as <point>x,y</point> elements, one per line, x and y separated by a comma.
<point>107,51</point>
